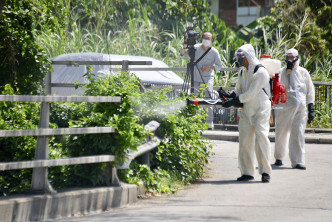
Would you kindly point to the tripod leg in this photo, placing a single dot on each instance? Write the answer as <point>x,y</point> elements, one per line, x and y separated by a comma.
<point>199,71</point>
<point>185,85</point>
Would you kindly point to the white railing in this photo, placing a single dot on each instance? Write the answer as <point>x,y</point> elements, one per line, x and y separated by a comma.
<point>41,162</point>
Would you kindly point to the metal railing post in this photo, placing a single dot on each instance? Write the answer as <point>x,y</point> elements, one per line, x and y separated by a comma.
<point>327,95</point>
<point>125,65</point>
<point>40,182</point>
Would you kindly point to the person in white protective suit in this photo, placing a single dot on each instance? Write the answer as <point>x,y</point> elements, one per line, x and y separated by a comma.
<point>290,122</point>
<point>254,119</point>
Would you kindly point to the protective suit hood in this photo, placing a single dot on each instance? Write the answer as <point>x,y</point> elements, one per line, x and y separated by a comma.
<point>249,53</point>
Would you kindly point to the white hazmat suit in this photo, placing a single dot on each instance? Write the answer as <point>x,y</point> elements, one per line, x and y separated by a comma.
<point>291,120</point>
<point>254,119</point>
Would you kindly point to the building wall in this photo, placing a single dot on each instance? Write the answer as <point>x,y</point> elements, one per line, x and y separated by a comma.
<point>214,7</point>
<point>227,11</point>
<point>242,12</point>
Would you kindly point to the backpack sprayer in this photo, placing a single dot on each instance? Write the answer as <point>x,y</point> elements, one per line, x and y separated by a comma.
<point>278,90</point>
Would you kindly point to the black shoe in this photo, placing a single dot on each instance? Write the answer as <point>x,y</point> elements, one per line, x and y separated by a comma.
<point>278,163</point>
<point>266,178</point>
<point>300,167</point>
<point>245,178</point>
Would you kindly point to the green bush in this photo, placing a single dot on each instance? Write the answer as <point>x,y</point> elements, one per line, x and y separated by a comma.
<point>16,115</point>
<point>181,155</point>
<point>24,62</point>
<point>323,116</point>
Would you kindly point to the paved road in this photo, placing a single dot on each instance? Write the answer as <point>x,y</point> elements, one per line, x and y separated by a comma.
<point>292,195</point>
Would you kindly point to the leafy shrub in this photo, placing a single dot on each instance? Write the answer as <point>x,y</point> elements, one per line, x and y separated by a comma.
<point>16,115</point>
<point>155,181</point>
<point>182,150</point>
<point>24,63</point>
<point>181,156</point>
<point>323,116</point>
<point>129,129</point>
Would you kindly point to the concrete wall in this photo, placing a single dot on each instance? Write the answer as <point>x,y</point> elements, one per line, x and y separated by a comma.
<point>68,203</point>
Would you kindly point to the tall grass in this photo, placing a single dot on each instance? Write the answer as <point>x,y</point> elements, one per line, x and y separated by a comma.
<point>139,36</point>
<point>323,116</point>
<point>226,78</point>
<point>323,68</point>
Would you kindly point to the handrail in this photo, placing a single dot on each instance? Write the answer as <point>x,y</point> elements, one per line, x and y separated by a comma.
<point>41,161</point>
<point>77,63</point>
<point>173,69</point>
<point>56,162</point>
<point>55,132</point>
<point>322,83</point>
<point>29,98</point>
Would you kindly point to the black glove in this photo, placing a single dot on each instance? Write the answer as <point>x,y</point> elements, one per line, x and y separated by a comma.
<point>232,102</point>
<point>311,111</point>
<point>223,93</point>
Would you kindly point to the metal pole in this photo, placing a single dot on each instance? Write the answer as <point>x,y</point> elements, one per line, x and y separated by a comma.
<point>125,64</point>
<point>327,99</point>
<point>40,183</point>
<point>192,82</point>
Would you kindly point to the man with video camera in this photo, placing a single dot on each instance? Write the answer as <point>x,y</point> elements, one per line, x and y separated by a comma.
<point>207,61</point>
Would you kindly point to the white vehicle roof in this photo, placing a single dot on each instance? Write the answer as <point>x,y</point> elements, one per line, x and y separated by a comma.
<point>70,74</point>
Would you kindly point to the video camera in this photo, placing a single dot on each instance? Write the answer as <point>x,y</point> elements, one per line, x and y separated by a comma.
<point>191,35</point>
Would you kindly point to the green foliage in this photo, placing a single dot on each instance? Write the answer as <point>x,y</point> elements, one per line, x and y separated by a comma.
<point>16,115</point>
<point>136,27</point>
<point>293,24</point>
<point>129,129</point>
<point>297,25</point>
<point>157,180</point>
<point>323,116</point>
<point>23,61</point>
<point>181,156</point>
<point>322,11</point>
<point>183,151</point>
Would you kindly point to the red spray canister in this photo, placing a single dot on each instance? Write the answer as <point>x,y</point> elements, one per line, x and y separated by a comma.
<point>278,91</point>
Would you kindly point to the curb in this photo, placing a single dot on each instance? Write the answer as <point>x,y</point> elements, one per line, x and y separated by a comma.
<point>65,204</point>
<point>233,127</point>
<point>233,136</point>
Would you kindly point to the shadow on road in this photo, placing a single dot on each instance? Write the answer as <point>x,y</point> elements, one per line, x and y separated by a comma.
<point>227,182</point>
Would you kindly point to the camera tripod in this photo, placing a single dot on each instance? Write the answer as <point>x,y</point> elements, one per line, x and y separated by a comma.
<point>189,77</point>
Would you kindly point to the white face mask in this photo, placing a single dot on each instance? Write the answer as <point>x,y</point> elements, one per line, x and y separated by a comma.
<point>206,42</point>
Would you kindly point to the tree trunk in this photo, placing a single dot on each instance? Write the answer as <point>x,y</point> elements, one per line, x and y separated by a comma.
<point>2,4</point>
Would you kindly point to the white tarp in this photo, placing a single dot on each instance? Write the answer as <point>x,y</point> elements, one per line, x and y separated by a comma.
<point>69,74</point>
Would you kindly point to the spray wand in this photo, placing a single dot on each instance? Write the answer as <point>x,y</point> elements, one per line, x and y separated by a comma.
<point>196,102</point>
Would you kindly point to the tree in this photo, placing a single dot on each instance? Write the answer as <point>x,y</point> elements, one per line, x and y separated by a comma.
<point>23,62</point>
<point>297,24</point>
<point>323,11</point>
